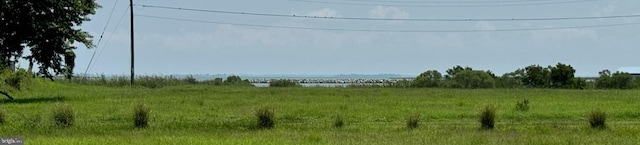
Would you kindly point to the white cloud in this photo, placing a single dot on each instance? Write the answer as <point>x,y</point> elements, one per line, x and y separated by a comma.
<point>326,12</point>
<point>563,35</point>
<point>388,12</point>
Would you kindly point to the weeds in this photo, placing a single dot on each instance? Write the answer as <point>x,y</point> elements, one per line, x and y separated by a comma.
<point>141,116</point>
<point>523,105</point>
<point>283,83</point>
<point>63,115</point>
<point>488,117</point>
<point>597,119</point>
<point>265,118</point>
<point>412,121</point>
<point>338,122</point>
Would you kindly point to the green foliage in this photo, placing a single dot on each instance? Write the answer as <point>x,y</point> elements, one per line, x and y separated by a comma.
<point>511,79</point>
<point>48,28</point>
<point>283,83</point>
<point>578,83</point>
<point>597,119</point>
<point>536,76</point>
<point>141,116</point>
<point>488,117</point>
<point>265,118</point>
<point>472,79</point>
<point>617,80</point>
<point>413,121</point>
<point>562,76</point>
<point>3,115</point>
<point>14,80</point>
<point>63,115</point>
<point>153,81</point>
<point>455,70</point>
<point>428,79</point>
<point>523,105</point>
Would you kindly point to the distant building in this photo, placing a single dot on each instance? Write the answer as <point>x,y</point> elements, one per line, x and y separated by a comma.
<point>634,71</point>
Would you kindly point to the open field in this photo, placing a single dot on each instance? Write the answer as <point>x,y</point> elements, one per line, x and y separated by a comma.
<point>200,114</point>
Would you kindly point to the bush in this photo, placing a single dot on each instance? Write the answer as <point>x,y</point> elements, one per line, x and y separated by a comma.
<point>283,83</point>
<point>63,115</point>
<point>338,122</point>
<point>265,118</point>
<point>597,119</point>
<point>412,121</point>
<point>523,106</point>
<point>488,117</point>
<point>141,116</point>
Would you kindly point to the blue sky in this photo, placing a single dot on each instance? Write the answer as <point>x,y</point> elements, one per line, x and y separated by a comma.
<point>179,47</point>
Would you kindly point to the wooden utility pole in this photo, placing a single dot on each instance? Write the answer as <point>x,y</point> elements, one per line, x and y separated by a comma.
<point>131,9</point>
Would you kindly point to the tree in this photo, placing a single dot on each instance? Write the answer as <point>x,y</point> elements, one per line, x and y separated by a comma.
<point>511,79</point>
<point>536,76</point>
<point>617,80</point>
<point>472,79</point>
<point>453,71</point>
<point>48,28</point>
<point>561,76</point>
<point>430,78</point>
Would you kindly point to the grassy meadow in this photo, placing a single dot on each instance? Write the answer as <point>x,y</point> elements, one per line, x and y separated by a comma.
<point>205,114</point>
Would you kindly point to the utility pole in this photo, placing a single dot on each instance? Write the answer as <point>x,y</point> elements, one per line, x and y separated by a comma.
<point>131,9</point>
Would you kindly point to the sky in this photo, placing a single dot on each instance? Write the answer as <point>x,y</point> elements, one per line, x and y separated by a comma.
<point>184,47</point>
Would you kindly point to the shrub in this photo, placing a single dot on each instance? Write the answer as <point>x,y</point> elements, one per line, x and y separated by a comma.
<point>265,118</point>
<point>488,117</point>
<point>338,122</point>
<point>141,116</point>
<point>523,106</point>
<point>597,119</point>
<point>412,121</point>
<point>63,115</point>
<point>283,83</point>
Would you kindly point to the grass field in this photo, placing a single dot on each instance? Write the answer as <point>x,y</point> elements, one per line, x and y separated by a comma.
<point>200,114</point>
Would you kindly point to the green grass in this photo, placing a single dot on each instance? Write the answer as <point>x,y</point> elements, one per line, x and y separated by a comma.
<point>201,114</point>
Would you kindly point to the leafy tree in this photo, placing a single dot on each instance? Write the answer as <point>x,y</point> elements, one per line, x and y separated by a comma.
<point>617,80</point>
<point>430,78</point>
<point>472,79</point>
<point>536,76</point>
<point>453,71</point>
<point>511,79</point>
<point>48,28</point>
<point>561,76</point>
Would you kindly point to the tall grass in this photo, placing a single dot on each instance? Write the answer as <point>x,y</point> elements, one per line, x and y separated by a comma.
<point>148,81</point>
<point>63,115</point>
<point>597,119</point>
<point>488,117</point>
<point>141,116</point>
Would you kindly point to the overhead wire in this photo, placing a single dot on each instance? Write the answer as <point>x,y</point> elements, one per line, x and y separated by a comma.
<point>388,19</point>
<point>101,35</point>
<point>444,6</point>
<point>386,30</point>
<point>109,38</point>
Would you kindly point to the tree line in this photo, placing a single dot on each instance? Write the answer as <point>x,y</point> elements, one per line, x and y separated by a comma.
<point>560,76</point>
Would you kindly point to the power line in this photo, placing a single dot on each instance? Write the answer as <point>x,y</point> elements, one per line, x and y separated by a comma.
<point>108,39</point>
<point>101,34</point>
<point>444,6</point>
<point>387,30</point>
<point>387,19</point>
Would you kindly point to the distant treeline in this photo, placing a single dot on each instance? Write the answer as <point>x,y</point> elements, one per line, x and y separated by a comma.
<point>560,76</point>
